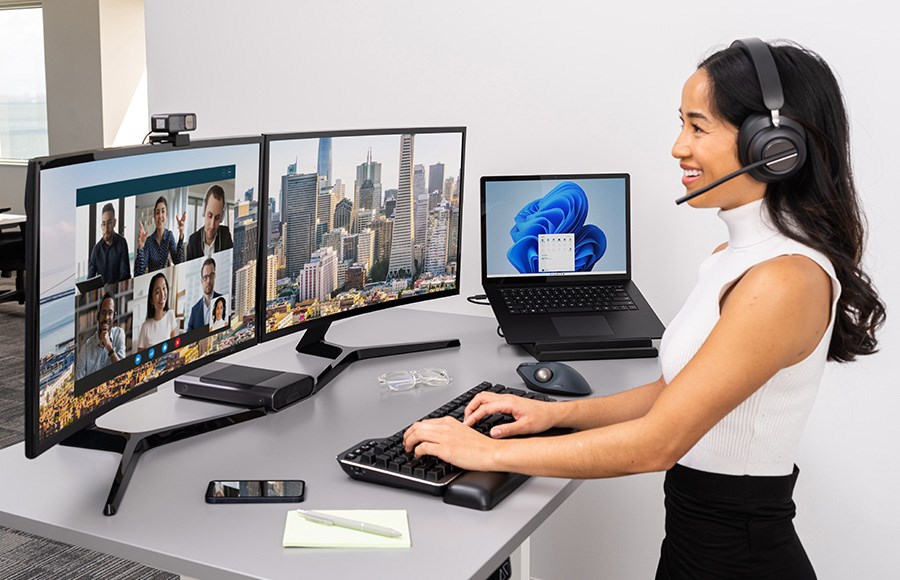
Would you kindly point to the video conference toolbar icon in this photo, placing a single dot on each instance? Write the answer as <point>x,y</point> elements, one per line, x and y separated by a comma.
<point>137,359</point>
<point>151,354</point>
<point>177,341</point>
<point>164,348</point>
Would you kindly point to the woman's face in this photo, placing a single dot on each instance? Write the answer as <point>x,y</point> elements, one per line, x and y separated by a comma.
<point>220,309</point>
<point>159,216</point>
<point>160,295</point>
<point>707,150</point>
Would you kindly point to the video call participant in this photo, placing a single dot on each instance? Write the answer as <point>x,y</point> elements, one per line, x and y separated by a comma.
<point>155,251</point>
<point>218,316</point>
<point>105,346</point>
<point>161,324</point>
<point>742,360</point>
<point>200,311</point>
<point>109,257</point>
<point>212,237</point>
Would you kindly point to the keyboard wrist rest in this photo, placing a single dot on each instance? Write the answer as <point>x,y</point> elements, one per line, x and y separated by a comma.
<point>482,490</point>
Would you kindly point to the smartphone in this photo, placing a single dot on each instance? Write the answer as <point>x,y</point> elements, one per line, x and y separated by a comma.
<point>255,491</point>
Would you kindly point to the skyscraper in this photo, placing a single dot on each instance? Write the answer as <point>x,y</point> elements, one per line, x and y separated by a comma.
<point>368,171</point>
<point>323,208</point>
<point>384,229</point>
<point>366,248</point>
<point>299,191</point>
<point>436,249</point>
<point>453,233</point>
<point>390,202</point>
<point>245,288</point>
<point>271,277</point>
<point>245,241</point>
<point>337,194</point>
<point>319,277</point>
<point>420,205</point>
<point>366,189</point>
<point>435,180</point>
<point>323,164</point>
<point>342,214</point>
<point>402,237</point>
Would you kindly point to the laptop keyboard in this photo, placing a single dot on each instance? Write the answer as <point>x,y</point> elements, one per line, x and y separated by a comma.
<point>563,299</point>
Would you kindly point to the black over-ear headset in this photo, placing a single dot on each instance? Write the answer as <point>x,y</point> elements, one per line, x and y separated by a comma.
<point>770,147</point>
<point>765,136</point>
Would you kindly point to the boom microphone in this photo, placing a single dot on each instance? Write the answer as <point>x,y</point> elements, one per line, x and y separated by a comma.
<point>782,156</point>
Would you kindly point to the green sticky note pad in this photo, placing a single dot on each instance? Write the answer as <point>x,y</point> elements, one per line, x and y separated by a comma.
<point>302,533</point>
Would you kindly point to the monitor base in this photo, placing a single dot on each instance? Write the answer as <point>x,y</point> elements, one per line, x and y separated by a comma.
<point>313,343</point>
<point>132,445</point>
<point>560,351</point>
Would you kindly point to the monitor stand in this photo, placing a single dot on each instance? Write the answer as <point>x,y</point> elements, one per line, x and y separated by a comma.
<point>132,445</point>
<point>313,343</point>
<point>560,351</point>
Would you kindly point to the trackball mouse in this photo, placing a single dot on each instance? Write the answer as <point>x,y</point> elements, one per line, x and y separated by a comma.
<point>553,378</point>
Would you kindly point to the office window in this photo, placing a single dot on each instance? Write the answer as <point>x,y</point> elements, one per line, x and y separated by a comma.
<point>23,93</point>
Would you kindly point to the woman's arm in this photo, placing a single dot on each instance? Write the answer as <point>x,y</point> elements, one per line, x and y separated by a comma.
<point>611,409</point>
<point>774,317</point>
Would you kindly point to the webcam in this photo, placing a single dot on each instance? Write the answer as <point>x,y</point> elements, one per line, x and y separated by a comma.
<point>172,128</point>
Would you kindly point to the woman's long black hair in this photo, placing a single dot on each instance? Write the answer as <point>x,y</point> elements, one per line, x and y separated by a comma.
<point>151,310</point>
<point>818,206</point>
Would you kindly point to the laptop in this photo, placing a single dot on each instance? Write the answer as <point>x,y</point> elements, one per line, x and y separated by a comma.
<point>556,266</point>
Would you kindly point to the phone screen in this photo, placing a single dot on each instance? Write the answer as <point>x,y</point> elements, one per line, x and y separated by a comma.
<point>255,490</point>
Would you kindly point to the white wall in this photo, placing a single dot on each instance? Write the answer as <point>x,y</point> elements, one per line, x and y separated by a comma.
<point>574,86</point>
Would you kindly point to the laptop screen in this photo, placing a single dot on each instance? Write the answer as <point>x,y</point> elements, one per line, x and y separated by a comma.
<point>562,225</point>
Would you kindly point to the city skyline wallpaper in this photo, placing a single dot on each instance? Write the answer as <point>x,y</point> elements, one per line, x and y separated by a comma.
<point>359,220</point>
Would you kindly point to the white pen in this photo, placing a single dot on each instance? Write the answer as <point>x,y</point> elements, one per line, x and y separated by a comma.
<point>330,520</point>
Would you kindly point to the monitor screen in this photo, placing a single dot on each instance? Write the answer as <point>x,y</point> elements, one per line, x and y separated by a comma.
<point>143,267</point>
<point>573,225</point>
<point>358,221</point>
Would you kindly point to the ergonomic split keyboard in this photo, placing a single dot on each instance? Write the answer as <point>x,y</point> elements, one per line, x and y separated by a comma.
<point>385,461</point>
<point>563,299</point>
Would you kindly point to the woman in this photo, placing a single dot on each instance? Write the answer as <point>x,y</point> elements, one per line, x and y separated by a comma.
<point>218,317</point>
<point>161,324</point>
<point>154,252</point>
<point>742,360</point>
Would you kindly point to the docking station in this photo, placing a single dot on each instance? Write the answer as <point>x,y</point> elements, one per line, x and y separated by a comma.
<point>245,386</point>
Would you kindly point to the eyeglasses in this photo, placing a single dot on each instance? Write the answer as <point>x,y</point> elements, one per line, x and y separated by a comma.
<point>405,380</point>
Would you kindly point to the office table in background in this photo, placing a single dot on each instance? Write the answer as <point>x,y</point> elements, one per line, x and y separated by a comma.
<point>164,521</point>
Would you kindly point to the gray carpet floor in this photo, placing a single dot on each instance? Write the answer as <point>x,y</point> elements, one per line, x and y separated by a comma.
<point>26,556</point>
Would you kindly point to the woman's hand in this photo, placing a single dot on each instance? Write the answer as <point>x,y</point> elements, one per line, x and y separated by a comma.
<point>450,440</point>
<point>530,416</point>
<point>142,237</point>
<point>180,222</point>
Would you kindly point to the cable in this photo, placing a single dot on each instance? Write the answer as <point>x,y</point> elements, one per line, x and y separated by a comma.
<point>500,332</point>
<point>480,299</point>
<point>144,140</point>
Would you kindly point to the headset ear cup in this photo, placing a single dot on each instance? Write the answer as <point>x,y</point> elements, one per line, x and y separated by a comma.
<point>758,139</point>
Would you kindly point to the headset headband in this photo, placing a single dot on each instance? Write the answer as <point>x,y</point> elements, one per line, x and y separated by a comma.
<point>767,72</point>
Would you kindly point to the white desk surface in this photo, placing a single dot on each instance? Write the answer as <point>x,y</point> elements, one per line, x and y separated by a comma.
<point>163,520</point>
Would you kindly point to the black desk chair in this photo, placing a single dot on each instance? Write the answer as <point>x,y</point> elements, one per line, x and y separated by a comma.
<point>12,260</point>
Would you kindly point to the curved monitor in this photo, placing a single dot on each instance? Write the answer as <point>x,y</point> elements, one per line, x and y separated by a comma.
<point>141,266</point>
<point>358,221</point>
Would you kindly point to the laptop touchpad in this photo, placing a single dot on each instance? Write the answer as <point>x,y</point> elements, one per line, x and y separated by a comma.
<point>593,325</point>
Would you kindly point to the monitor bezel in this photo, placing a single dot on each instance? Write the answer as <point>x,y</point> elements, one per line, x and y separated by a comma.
<point>264,336</point>
<point>34,446</point>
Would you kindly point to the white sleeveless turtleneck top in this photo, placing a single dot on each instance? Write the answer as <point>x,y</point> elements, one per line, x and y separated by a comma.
<point>761,435</point>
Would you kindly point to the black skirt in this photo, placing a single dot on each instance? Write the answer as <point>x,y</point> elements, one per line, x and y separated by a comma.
<point>731,526</point>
